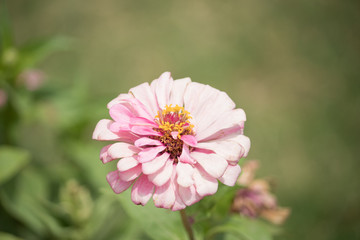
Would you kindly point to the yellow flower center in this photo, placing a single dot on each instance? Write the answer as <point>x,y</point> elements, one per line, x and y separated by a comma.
<point>173,123</point>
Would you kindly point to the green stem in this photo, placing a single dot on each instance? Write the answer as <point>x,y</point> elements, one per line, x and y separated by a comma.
<point>186,223</point>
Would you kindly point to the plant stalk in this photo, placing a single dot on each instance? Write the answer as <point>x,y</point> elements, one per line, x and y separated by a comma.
<point>187,225</point>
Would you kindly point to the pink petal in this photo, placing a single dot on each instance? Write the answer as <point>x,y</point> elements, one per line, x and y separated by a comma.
<point>130,174</point>
<point>119,99</point>
<point>139,121</point>
<point>142,190</point>
<point>164,196</point>
<point>230,176</point>
<point>144,130</point>
<point>185,155</point>
<point>104,156</point>
<point>163,175</point>
<point>149,153</point>
<point>206,104</point>
<point>174,134</point>
<point>139,109</point>
<point>184,174</point>
<point>189,140</point>
<point>178,204</point>
<point>145,95</point>
<point>120,113</point>
<point>116,183</point>
<point>213,164</point>
<point>204,183</point>
<point>163,88</point>
<point>145,141</point>
<point>230,150</point>
<point>121,150</point>
<point>244,141</point>
<point>189,195</point>
<point>154,165</point>
<point>119,127</point>
<point>226,120</point>
<point>102,131</point>
<point>127,163</point>
<point>178,90</point>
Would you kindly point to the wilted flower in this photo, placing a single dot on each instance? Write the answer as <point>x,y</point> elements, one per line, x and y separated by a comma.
<point>3,98</point>
<point>175,140</point>
<point>255,200</point>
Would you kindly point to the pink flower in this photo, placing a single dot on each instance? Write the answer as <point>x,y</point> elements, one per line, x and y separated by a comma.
<point>174,139</point>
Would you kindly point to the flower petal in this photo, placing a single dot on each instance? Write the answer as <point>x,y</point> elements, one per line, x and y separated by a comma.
<point>127,163</point>
<point>244,141</point>
<point>149,153</point>
<point>189,140</point>
<point>189,195</point>
<point>163,175</point>
<point>145,141</point>
<point>185,155</point>
<point>119,99</point>
<point>213,164</point>
<point>230,150</point>
<point>130,174</point>
<point>104,156</point>
<point>145,95</point>
<point>154,165</point>
<point>227,120</point>
<point>121,150</point>
<point>178,90</point>
<point>204,184</point>
<point>184,174</point>
<point>102,131</point>
<point>116,183</point>
<point>120,113</point>
<point>230,175</point>
<point>163,88</point>
<point>179,203</point>
<point>142,190</point>
<point>144,130</point>
<point>164,196</point>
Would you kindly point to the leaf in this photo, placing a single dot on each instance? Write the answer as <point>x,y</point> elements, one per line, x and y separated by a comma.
<point>157,223</point>
<point>24,199</point>
<point>245,228</point>
<point>12,160</point>
<point>8,236</point>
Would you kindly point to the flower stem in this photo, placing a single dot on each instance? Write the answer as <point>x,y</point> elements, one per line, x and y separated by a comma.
<point>186,223</point>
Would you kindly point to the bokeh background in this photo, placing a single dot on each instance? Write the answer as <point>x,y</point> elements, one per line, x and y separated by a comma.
<point>294,66</point>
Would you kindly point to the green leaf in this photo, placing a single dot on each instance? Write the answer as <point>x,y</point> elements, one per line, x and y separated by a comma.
<point>8,236</point>
<point>245,228</point>
<point>12,160</point>
<point>157,223</point>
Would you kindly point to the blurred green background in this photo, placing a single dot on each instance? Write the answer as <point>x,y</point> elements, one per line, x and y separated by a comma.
<point>294,66</point>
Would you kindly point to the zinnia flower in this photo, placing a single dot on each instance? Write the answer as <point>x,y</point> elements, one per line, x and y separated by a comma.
<point>174,139</point>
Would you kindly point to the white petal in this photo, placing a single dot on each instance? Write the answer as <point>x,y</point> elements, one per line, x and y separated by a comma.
<point>230,176</point>
<point>121,150</point>
<point>163,175</point>
<point>212,163</point>
<point>116,183</point>
<point>126,163</point>
<point>184,174</point>
<point>142,190</point>
<point>163,88</point>
<point>204,184</point>
<point>154,165</point>
<point>178,90</point>
<point>229,150</point>
<point>102,131</point>
<point>164,196</point>
<point>145,95</point>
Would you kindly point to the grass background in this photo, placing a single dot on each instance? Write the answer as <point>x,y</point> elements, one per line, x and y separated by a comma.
<point>294,66</point>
